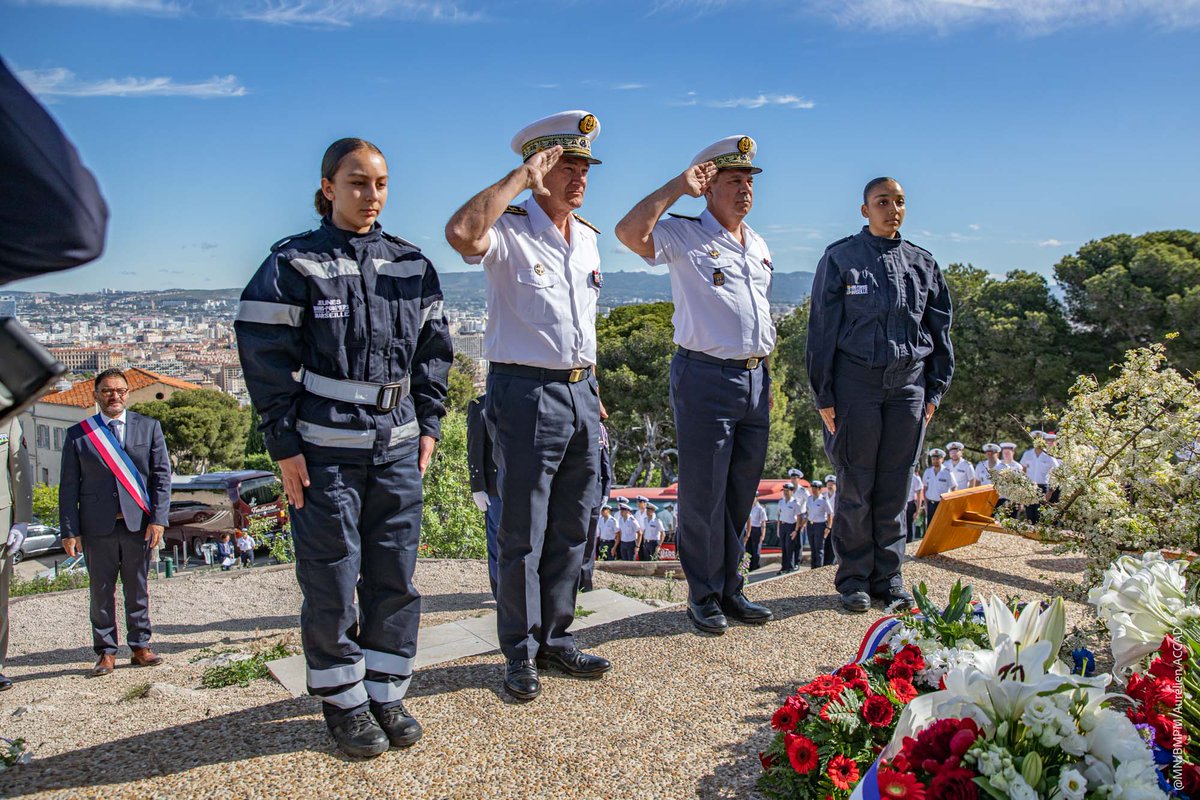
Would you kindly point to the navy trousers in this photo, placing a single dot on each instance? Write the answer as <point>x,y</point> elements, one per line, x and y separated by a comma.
<point>754,547</point>
<point>491,520</point>
<point>722,420</point>
<point>126,553</point>
<point>358,531</point>
<point>591,549</point>
<point>627,551</point>
<point>818,544</point>
<point>545,437</point>
<point>649,550</point>
<point>873,451</point>
<point>790,547</point>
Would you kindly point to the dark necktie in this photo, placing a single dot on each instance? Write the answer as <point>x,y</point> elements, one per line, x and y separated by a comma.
<point>114,425</point>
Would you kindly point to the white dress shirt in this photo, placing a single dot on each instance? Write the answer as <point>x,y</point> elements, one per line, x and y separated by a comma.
<point>606,528</point>
<point>542,291</point>
<point>758,516</point>
<point>963,470</point>
<point>1037,467</point>
<point>121,429</point>
<point>719,286</point>
<point>816,509</point>
<point>789,510</point>
<point>628,527</point>
<point>652,530</point>
<point>641,517</point>
<point>914,489</point>
<point>983,472</point>
<point>939,483</point>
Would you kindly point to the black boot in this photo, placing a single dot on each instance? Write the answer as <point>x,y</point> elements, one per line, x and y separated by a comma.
<point>360,736</point>
<point>402,728</point>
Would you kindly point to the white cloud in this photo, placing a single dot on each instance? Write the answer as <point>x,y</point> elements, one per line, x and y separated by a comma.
<point>623,87</point>
<point>343,13</point>
<point>973,226</point>
<point>1050,243</point>
<point>157,7</point>
<point>1034,16</point>
<point>761,100</point>
<point>59,82</point>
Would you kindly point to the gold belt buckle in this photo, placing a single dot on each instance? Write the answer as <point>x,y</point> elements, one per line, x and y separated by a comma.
<point>752,362</point>
<point>577,374</point>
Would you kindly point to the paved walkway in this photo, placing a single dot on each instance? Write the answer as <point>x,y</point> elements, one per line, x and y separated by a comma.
<point>680,716</point>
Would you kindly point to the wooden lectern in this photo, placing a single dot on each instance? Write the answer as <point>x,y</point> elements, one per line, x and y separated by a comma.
<point>961,516</point>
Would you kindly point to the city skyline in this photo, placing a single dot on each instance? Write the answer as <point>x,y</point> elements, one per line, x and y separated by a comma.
<point>1020,128</point>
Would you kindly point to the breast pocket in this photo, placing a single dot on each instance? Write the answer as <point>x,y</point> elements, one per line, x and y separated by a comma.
<point>536,286</point>
<point>864,295</point>
<point>713,270</point>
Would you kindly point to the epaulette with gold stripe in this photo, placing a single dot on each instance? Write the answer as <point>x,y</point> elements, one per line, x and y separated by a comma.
<point>585,222</point>
<point>683,216</point>
<point>516,210</point>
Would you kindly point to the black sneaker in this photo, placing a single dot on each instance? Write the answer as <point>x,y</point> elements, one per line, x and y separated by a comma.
<point>401,727</point>
<point>575,663</point>
<point>360,736</point>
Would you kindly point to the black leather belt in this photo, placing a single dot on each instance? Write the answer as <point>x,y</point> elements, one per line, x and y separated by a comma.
<point>737,363</point>
<point>544,375</point>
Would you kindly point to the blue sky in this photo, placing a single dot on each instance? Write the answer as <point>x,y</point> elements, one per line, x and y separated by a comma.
<point>1019,128</point>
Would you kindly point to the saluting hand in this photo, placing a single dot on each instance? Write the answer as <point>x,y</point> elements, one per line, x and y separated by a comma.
<point>695,179</point>
<point>295,478</point>
<point>538,165</point>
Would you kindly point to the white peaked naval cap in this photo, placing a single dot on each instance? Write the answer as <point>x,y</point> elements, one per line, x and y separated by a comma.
<point>574,130</point>
<point>732,152</point>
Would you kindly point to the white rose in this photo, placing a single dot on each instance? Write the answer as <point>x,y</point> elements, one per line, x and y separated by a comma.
<point>1072,785</point>
<point>1018,789</point>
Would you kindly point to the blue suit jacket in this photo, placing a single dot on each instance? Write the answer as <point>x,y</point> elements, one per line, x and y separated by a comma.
<point>89,497</point>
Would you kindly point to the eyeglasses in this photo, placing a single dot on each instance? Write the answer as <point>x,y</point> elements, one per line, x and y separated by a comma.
<point>111,392</point>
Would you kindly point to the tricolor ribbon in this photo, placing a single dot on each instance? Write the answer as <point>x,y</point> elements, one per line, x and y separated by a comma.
<point>117,460</point>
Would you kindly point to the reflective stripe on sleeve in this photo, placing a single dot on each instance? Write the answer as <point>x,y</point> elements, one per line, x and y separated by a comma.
<point>406,431</point>
<point>325,269</point>
<point>336,676</point>
<point>387,663</point>
<point>432,311</point>
<point>386,691</point>
<point>356,695</point>
<point>269,313</point>
<point>323,436</point>
<point>400,269</point>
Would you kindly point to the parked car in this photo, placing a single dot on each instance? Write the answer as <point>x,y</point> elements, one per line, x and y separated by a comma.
<point>41,539</point>
<point>203,507</point>
<point>77,563</point>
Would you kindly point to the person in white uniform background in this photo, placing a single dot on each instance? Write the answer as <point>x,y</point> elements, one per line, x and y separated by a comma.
<point>983,470</point>
<point>1038,464</point>
<point>962,468</point>
<point>937,481</point>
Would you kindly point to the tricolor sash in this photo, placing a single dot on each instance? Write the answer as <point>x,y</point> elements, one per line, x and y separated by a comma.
<point>117,460</point>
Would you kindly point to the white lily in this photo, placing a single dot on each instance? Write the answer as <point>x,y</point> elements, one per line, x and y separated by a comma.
<point>1141,600</point>
<point>1032,626</point>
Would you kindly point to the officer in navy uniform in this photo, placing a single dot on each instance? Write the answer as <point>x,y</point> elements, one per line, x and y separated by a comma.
<point>879,360</point>
<point>791,543</point>
<point>481,469</point>
<point>818,517</point>
<point>542,267</point>
<point>652,534</point>
<point>346,351</point>
<point>606,534</point>
<point>629,533</point>
<point>720,272</point>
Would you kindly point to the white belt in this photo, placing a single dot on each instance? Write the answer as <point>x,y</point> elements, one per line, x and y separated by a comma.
<point>384,396</point>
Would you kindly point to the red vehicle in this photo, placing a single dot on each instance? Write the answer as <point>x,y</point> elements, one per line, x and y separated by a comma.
<point>203,507</point>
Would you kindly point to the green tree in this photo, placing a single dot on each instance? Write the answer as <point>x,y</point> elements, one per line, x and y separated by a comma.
<point>1130,291</point>
<point>451,525</point>
<point>1015,358</point>
<point>45,503</point>
<point>634,350</point>
<point>204,428</point>
<point>463,382</point>
<point>255,442</point>
<point>260,461</point>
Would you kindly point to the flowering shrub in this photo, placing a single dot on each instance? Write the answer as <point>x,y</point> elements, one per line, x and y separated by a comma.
<point>833,728</point>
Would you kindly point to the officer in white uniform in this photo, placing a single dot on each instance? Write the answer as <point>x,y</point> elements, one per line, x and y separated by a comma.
<point>819,519</point>
<point>983,470</point>
<point>542,266</point>
<point>720,387</point>
<point>791,509</point>
<point>629,531</point>
<point>963,470</point>
<point>937,481</point>
<point>916,487</point>
<point>795,474</point>
<point>652,534</point>
<point>1038,463</point>
<point>1007,461</point>
<point>606,534</point>
<point>757,523</point>
<point>640,514</point>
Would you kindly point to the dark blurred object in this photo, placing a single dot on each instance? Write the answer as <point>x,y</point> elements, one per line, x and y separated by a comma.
<point>52,218</point>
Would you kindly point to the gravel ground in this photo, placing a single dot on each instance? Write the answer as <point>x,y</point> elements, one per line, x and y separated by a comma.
<point>681,715</point>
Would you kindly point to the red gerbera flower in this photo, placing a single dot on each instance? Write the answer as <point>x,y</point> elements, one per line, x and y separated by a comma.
<point>785,718</point>
<point>900,785</point>
<point>824,686</point>
<point>878,711</point>
<point>801,752</point>
<point>843,771</point>
<point>902,689</point>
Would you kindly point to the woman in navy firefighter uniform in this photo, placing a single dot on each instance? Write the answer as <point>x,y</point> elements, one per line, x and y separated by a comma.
<point>346,351</point>
<point>879,359</point>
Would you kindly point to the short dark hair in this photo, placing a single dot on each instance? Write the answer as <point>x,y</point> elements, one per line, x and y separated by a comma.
<point>871,184</point>
<point>330,163</point>
<point>109,373</point>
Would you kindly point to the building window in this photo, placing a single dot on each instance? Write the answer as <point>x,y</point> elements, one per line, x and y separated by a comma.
<point>43,436</point>
<point>60,435</point>
<point>46,475</point>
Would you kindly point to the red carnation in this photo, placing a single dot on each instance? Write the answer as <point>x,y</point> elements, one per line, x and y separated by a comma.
<point>1164,670</point>
<point>901,669</point>
<point>899,785</point>
<point>1171,651</point>
<point>824,686</point>
<point>931,749</point>
<point>878,711</point>
<point>785,718</point>
<point>767,761</point>
<point>851,672</point>
<point>1191,780</point>
<point>961,741</point>
<point>911,654</point>
<point>843,771</point>
<point>801,751</point>
<point>902,689</point>
<point>954,784</point>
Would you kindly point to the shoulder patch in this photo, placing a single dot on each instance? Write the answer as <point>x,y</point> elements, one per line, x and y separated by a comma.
<point>279,245</point>
<point>391,237</point>
<point>683,216</point>
<point>838,242</point>
<point>585,222</point>
<point>918,247</point>
<point>516,210</point>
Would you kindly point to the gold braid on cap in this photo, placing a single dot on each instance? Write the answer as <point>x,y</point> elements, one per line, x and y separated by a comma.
<point>727,160</point>
<point>572,145</point>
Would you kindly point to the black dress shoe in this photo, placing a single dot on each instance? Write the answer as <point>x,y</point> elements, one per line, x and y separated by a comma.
<point>897,594</point>
<point>707,616</point>
<point>741,609</point>
<point>401,727</point>
<point>360,736</point>
<point>5,683</point>
<point>575,663</point>
<point>521,679</point>
<point>856,601</point>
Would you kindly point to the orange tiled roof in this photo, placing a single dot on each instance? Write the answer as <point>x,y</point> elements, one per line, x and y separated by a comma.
<point>80,394</point>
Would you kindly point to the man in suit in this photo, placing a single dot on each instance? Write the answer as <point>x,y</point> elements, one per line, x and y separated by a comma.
<point>484,486</point>
<point>16,510</point>
<point>114,495</point>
